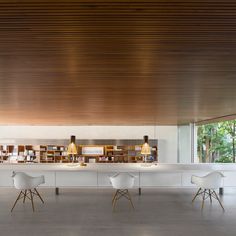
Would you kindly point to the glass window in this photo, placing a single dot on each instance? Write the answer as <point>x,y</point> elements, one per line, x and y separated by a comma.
<point>216,142</point>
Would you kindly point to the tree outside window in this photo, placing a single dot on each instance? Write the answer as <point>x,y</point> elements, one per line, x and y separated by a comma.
<point>217,142</point>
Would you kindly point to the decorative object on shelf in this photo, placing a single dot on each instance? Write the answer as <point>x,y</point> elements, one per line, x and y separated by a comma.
<point>81,159</point>
<point>92,150</point>
<point>72,150</point>
<point>83,164</point>
<point>146,150</point>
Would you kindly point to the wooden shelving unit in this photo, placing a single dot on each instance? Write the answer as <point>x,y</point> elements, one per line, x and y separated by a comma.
<point>92,157</point>
<point>58,154</point>
<point>2,153</point>
<point>51,153</point>
<point>134,154</point>
<point>127,154</point>
<point>6,151</point>
<point>116,153</point>
<point>29,153</point>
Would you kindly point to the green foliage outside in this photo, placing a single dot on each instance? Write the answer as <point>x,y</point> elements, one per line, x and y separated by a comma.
<point>217,142</point>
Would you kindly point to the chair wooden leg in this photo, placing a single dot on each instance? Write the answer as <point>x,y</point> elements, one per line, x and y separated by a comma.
<point>25,193</point>
<point>130,199</point>
<point>196,194</point>
<point>114,201</point>
<point>38,195</point>
<point>121,193</point>
<point>114,196</point>
<point>16,200</point>
<point>31,197</point>
<point>203,198</point>
<point>217,198</point>
<point>210,195</point>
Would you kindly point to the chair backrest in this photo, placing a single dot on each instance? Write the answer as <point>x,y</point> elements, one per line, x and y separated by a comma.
<point>211,181</point>
<point>122,180</point>
<point>23,181</point>
<point>214,179</point>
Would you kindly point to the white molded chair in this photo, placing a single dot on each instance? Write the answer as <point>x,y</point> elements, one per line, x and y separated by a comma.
<point>122,182</point>
<point>27,186</point>
<point>207,185</point>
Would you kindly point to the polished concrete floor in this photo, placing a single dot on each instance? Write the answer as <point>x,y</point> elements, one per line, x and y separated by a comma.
<point>85,212</point>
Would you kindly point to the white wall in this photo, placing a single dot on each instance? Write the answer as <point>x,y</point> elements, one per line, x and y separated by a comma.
<point>167,143</point>
<point>195,155</point>
<point>184,144</point>
<point>81,132</point>
<point>166,135</point>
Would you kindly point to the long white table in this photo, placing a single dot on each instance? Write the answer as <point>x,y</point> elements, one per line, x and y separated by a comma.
<point>97,174</point>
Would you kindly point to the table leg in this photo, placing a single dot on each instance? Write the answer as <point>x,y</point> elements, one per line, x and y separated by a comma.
<point>57,191</point>
<point>139,191</point>
<point>221,191</point>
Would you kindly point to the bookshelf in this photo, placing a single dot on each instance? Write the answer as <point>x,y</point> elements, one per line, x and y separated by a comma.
<point>6,151</point>
<point>51,153</point>
<point>116,154</point>
<point>58,153</point>
<point>127,154</point>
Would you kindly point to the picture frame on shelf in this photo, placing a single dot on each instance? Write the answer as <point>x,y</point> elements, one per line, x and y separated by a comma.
<point>92,150</point>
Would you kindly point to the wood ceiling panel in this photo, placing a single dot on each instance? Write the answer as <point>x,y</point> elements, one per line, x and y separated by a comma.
<point>116,62</point>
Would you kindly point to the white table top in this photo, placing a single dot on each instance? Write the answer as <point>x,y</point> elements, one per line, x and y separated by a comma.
<point>118,167</point>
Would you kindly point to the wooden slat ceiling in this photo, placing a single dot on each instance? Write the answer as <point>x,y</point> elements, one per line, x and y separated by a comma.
<point>140,62</point>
